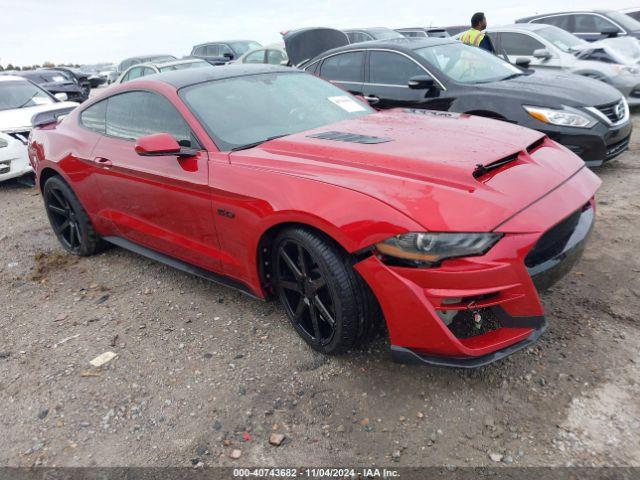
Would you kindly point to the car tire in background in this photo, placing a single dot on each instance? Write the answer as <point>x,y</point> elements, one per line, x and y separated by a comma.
<point>328,303</point>
<point>69,219</point>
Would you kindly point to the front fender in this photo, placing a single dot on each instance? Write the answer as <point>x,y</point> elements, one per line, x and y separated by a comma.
<point>251,201</point>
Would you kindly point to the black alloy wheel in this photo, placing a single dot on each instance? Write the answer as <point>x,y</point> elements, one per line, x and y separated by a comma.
<point>68,219</point>
<point>327,302</point>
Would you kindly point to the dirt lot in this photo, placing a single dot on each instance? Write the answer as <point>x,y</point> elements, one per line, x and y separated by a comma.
<point>202,370</point>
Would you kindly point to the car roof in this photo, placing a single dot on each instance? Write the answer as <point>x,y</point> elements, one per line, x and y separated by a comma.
<point>223,41</point>
<point>395,43</point>
<point>148,56</point>
<point>532,27</point>
<point>192,76</point>
<point>169,63</point>
<point>568,12</point>
<point>10,78</point>
<point>369,29</point>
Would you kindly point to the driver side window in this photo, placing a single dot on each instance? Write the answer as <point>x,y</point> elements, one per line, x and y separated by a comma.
<point>133,115</point>
<point>390,68</point>
<point>519,44</point>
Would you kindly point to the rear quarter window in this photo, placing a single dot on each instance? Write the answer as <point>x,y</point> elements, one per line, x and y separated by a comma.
<point>94,117</point>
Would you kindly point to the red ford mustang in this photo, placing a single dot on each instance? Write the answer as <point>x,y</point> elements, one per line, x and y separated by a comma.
<point>440,226</point>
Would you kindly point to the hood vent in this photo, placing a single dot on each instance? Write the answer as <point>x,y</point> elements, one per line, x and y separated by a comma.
<point>350,137</point>
<point>536,145</point>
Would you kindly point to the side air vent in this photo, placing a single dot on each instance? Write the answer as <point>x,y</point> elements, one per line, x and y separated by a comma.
<point>535,145</point>
<point>350,137</point>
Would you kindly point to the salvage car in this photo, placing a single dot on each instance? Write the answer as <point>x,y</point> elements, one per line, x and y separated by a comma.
<point>422,32</point>
<point>274,54</point>
<point>150,68</point>
<point>127,62</point>
<point>282,185</point>
<point>20,100</point>
<point>590,25</point>
<point>587,116</point>
<point>222,52</point>
<point>58,84</point>
<point>358,35</point>
<point>79,77</point>
<point>545,47</point>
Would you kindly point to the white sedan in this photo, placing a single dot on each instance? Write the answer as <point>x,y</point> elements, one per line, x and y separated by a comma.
<point>20,100</point>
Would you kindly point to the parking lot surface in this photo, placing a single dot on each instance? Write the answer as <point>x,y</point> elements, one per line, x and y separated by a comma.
<point>203,374</point>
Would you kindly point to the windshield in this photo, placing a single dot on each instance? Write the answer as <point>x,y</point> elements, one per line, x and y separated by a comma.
<point>561,38</point>
<point>22,94</point>
<point>242,47</point>
<point>465,64</point>
<point>624,20</point>
<point>244,110</point>
<point>183,66</point>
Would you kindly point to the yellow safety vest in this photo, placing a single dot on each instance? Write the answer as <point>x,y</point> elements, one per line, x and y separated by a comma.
<point>472,37</point>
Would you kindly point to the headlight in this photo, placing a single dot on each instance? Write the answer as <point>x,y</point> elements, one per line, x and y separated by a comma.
<point>626,69</point>
<point>563,118</point>
<point>429,249</point>
<point>3,143</point>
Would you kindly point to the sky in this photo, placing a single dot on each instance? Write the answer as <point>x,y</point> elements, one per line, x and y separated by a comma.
<point>87,31</point>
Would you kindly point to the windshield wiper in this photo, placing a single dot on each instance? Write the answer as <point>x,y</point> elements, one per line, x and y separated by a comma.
<point>513,75</point>
<point>259,142</point>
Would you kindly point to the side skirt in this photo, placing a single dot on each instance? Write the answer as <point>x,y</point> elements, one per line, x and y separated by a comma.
<point>183,266</point>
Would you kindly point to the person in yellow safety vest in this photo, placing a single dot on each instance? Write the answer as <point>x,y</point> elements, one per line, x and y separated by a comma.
<point>476,36</point>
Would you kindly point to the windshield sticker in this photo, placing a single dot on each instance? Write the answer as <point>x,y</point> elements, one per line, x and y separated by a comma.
<point>348,104</point>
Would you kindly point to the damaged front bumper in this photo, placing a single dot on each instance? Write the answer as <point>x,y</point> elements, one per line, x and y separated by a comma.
<point>470,312</point>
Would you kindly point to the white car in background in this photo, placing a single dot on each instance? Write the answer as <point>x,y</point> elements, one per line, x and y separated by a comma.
<point>20,101</point>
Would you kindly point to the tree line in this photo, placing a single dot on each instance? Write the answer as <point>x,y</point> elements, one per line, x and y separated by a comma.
<point>18,68</point>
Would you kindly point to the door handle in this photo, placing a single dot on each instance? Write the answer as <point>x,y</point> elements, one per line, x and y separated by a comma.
<point>372,99</point>
<point>103,162</point>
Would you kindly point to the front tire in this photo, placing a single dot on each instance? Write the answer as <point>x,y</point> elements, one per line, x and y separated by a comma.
<point>69,220</point>
<point>327,302</point>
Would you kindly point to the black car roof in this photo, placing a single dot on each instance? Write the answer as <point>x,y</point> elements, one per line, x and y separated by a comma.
<point>401,44</point>
<point>185,78</point>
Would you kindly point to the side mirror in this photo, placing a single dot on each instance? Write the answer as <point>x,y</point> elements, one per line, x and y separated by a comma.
<point>610,32</point>
<point>228,56</point>
<point>523,62</point>
<point>542,54</point>
<point>421,82</point>
<point>61,96</point>
<point>160,145</point>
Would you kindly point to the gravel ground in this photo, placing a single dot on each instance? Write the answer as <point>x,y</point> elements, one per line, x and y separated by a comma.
<point>204,373</point>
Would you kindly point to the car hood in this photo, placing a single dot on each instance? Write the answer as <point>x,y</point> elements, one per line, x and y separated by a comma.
<point>307,43</point>
<point>20,118</point>
<point>624,49</point>
<point>425,163</point>
<point>550,89</point>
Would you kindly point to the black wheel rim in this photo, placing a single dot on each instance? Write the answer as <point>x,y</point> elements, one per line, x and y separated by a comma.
<point>64,219</point>
<point>305,294</point>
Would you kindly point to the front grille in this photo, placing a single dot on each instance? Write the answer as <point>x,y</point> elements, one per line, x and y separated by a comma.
<point>613,111</point>
<point>5,167</point>
<point>552,243</point>
<point>617,149</point>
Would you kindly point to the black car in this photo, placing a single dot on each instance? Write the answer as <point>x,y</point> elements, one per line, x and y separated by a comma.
<point>590,25</point>
<point>78,76</point>
<point>55,82</point>
<point>424,32</point>
<point>222,52</point>
<point>358,35</point>
<point>587,116</point>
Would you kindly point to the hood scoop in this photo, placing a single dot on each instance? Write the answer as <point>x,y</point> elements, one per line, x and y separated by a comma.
<point>350,137</point>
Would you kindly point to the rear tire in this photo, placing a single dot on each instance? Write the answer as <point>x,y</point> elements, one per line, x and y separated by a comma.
<point>69,220</point>
<point>328,303</point>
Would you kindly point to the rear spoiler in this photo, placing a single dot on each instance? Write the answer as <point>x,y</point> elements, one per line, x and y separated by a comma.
<point>51,116</point>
